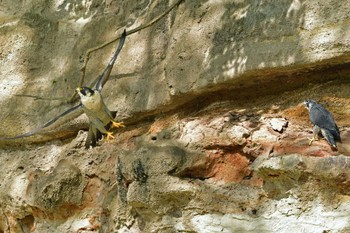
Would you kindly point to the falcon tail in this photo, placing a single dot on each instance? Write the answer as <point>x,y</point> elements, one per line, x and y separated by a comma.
<point>329,137</point>
<point>336,134</point>
<point>94,135</point>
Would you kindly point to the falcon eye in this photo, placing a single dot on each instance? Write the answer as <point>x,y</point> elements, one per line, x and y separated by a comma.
<point>309,103</point>
<point>87,91</point>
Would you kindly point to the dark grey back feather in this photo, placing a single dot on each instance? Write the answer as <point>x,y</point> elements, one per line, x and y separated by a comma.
<point>329,137</point>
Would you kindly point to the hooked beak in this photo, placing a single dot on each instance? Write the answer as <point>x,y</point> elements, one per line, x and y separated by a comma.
<point>78,89</point>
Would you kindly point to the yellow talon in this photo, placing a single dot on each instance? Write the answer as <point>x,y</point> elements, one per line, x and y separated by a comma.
<point>312,139</point>
<point>117,124</point>
<point>109,136</point>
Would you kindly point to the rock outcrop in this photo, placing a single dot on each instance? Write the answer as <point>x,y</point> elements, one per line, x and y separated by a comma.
<point>216,136</point>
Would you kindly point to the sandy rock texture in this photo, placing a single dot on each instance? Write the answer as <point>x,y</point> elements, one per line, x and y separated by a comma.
<point>216,136</point>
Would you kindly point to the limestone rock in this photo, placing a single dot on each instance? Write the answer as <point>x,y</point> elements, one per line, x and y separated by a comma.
<point>63,187</point>
<point>238,134</point>
<point>263,134</point>
<point>278,124</point>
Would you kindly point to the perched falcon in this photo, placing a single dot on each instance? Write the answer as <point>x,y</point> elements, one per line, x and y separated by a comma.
<point>322,121</point>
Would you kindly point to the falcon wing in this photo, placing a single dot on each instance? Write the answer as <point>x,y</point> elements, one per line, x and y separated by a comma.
<point>57,121</point>
<point>322,117</point>
<point>103,78</point>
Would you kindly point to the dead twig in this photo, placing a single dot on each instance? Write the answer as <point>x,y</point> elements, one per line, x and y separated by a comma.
<point>87,54</point>
<point>35,97</point>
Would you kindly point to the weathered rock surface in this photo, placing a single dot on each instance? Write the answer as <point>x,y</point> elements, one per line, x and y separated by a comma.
<point>216,136</point>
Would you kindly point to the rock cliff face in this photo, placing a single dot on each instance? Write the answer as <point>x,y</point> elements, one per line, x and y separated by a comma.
<point>211,95</point>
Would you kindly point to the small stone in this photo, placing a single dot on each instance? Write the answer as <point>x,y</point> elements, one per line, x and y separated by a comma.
<point>278,124</point>
<point>263,134</point>
<point>238,134</point>
<point>80,224</point>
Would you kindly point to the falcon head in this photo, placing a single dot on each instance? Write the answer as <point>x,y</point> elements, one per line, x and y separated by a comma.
<point>91,99</point>
<point>309,103</point>
<point>85,91</point>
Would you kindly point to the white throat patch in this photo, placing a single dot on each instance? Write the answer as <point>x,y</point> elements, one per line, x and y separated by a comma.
<point>91,102</point>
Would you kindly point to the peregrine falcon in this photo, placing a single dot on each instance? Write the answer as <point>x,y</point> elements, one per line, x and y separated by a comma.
<point>322,121</point>
<point>99,115</point>
<point>91,102</point>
